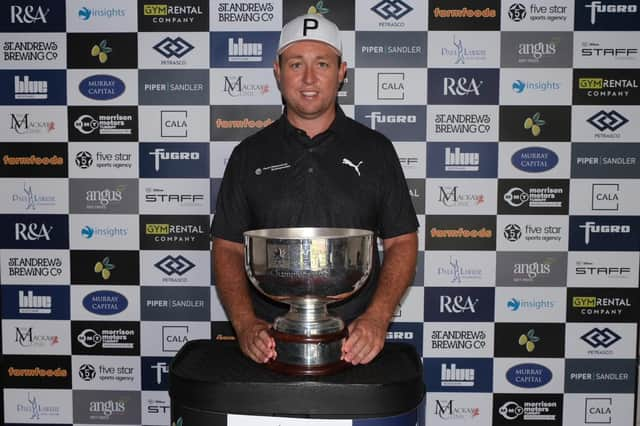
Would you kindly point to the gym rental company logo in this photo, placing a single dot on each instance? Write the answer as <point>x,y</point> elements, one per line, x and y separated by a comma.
<point>173,15</point>
<point>605,86</point>
<point>601,305</point>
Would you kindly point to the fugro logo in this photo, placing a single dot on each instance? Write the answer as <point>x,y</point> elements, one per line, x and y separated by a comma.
<point>406,123</point>
<point>102,87</point>
<point>468,86</point>
<point>603,233</point>
<point>105,302</point>
<point>174,160</point>
<point>606,15</point>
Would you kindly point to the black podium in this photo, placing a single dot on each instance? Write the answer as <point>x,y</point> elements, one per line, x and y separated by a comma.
<point>209,380</point>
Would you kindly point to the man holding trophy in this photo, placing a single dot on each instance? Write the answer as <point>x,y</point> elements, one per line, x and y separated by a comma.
<point>314,167</point>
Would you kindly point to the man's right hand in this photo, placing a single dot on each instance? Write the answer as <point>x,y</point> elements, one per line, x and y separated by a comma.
<point>255,341</point>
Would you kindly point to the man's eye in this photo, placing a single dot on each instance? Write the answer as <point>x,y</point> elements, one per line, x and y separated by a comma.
<point>296,65</point>
<point>323,64</point>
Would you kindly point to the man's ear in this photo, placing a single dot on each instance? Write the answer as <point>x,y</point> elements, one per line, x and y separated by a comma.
<point>276,72</point>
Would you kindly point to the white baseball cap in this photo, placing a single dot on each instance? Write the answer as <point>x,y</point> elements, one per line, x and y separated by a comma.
<point>310,27</point>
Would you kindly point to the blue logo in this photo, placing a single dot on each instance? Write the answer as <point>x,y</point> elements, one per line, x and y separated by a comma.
<point>462,160</point>
<point>534,159</point>
<point>49,302</point>
<point>84,13</point>
<point>33,87</point>
<point>102,87</point>
<point>529,375</point>
<point>458,374</point>
<point>518,86</point>
<point>249,49</point>
<point>87,232</point>
<point>105,302</point>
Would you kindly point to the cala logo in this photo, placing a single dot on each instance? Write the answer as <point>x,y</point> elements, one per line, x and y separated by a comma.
<point>529,375</point>
<point>101,87</point>
<point>534,159</point>
<point>105,302</point>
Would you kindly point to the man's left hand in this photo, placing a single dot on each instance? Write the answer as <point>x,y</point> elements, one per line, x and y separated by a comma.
<point>365,341</point>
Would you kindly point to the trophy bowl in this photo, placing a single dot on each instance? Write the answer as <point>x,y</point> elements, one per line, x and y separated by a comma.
<point>308,268</point>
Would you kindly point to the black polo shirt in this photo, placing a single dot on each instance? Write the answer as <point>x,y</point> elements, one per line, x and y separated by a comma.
<point>347,177</point>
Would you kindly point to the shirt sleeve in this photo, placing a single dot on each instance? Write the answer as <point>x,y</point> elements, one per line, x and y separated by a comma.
<point>232,216</point>
<point>396,213</point>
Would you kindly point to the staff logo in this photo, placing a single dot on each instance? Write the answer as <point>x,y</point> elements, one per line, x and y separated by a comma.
<point>388,9</point>
<point>611,120</point>
<point>173,47</point>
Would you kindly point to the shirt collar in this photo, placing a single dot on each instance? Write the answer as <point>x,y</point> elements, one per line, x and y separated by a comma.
<point>293,133</point>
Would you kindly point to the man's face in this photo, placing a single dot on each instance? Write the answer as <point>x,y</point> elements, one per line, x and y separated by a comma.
<point>309,76</point>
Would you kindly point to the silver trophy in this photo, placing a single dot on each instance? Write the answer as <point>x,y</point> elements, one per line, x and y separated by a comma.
<point>308,268</point>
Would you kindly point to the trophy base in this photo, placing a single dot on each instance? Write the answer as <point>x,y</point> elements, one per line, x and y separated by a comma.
<point>300,355</point>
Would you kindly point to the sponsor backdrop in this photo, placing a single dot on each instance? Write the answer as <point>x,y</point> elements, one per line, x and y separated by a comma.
<point>516,124</point>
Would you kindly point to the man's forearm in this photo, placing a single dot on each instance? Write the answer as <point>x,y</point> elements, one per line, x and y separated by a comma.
<point>396,275</point>
<point>231,281</point>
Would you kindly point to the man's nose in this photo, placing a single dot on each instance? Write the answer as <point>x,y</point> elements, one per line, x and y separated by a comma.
<point>309,75</point>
